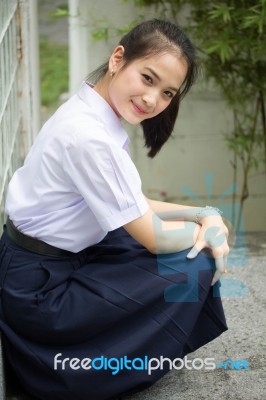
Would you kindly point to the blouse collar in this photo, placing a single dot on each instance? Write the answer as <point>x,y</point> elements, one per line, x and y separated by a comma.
<point>104,113</point>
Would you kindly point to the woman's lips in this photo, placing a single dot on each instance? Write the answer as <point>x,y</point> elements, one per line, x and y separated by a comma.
<point>137,108</point>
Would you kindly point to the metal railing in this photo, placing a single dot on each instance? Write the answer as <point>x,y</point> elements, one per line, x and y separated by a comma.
<point>19,98</point>
<point>19,95</point>
<point>10,155</point>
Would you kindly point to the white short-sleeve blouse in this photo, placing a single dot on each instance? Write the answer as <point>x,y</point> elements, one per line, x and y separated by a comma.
<point>78,181</point>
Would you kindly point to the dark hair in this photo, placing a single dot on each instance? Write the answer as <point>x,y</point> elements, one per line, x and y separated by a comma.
<point>150,38</point>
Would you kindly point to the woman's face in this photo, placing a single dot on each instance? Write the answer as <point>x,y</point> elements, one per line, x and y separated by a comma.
<point>145,87</point>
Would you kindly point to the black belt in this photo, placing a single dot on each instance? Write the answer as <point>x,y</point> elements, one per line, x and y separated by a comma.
<point>34,245</point>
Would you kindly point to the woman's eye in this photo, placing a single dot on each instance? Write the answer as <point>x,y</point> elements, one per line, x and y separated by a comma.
<point>169,94</point>
<point>147,78</point>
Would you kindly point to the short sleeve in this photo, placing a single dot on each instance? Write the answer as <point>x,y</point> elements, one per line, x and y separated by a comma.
<point>105,176</point>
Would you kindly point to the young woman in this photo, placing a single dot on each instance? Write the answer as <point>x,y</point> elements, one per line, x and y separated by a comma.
<point>98,281</point>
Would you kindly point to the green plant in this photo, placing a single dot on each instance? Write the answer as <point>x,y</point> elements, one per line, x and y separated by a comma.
<point>231,36</point>
<point>53,71</point>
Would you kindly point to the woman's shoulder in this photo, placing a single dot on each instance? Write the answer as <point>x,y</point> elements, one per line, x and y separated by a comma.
<point>78,124</point>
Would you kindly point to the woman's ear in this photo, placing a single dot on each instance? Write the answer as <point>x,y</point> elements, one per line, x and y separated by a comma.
<point>117,59</point>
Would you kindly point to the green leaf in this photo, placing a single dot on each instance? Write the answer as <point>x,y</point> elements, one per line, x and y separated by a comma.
<point>60,12</point>
<point>222,48</point>
<point>100,34</point>
<point>222,11</point>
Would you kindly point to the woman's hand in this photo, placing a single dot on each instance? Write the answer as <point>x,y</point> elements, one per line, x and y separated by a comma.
<point>168,228</point>
<point>213,235</point>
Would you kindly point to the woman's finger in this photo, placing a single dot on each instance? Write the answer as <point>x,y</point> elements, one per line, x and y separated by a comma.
<point>220,269</point>
<point>198,246</point>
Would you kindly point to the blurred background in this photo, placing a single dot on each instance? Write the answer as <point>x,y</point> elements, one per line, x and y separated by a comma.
<point>217,155</point>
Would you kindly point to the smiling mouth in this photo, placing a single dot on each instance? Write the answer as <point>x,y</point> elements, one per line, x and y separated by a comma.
<point>137,108</point>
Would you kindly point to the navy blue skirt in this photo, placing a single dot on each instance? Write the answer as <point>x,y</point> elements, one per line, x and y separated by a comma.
<point>87,327</point>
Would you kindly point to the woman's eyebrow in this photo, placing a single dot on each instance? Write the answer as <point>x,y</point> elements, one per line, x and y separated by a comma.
<point>151,70</point>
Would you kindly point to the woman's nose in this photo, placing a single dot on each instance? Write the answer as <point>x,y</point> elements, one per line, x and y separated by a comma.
<point>150,99</point>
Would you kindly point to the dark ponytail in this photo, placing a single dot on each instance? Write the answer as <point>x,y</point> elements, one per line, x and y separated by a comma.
<point>158,129</point>
<point>152,38</point>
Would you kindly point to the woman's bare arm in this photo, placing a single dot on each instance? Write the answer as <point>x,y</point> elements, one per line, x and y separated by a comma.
<point>170,211</point>
<point>160,236</point>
